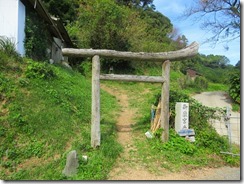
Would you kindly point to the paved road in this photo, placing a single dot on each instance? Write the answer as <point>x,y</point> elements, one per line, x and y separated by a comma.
<point>223,173</point>
<point>219,99</point>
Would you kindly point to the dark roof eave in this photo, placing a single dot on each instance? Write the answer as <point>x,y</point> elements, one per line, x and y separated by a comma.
<point>57,29</point>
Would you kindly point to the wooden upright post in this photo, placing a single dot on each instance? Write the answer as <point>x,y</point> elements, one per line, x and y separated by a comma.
<point>165,101</point>
<point>95,120</point>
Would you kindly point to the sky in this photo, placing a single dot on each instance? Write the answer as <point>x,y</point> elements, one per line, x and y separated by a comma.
<point>173,9</point>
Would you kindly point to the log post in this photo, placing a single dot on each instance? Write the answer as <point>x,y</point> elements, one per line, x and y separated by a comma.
<point>165,101</point>
<point>95,120</point>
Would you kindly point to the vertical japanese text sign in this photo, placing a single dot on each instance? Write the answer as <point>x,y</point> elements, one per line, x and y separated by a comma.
<point>182,116</point>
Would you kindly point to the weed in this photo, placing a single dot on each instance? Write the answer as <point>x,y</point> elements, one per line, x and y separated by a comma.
<point>85,68</point>
<point>39,70</point>
<point>235,107</point>
<point>179,144</point>
<point>2,131</point>
<point>34,149</point>
<point>23,82</point>
<point>6,88</point>
<point>9,47</point>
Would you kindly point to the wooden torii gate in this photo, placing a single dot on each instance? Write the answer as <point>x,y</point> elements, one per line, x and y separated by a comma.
<point>164,57</point>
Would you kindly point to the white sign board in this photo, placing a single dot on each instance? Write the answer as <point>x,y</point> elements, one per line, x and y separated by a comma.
<point>182,116</point>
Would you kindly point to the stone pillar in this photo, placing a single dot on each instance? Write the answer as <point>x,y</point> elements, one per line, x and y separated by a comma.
<point>182,116</point>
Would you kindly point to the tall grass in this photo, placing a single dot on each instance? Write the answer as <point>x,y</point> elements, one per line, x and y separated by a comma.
<point>9,47</point>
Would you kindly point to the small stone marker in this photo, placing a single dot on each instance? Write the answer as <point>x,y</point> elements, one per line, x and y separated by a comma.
<point>182,116</point>
<point>71,164</point>
<point>182,121</point>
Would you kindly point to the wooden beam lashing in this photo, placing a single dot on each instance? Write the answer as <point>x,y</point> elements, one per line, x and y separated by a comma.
<point>133,78</point>
<point>165,101</point>
<point>186,52</point>
<point>95,119</point>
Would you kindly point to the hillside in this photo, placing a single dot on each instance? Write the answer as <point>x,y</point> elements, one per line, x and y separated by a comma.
<point>45,113</point>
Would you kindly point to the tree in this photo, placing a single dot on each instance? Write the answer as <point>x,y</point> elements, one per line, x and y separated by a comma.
<point>159,26</point>
<point>136,3</point>
<point>235,86</point>
<point>65,9</point>
<point>238,64</point>
<point>221,17</point>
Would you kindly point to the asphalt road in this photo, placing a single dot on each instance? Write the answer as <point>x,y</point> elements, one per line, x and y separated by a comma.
<point>220,99</point>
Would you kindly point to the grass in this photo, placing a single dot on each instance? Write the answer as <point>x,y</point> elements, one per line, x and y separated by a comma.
<point>157,157</point>
<point>172,156</point>
<point>45,113</point>
<point>217,87</point>
<point>42,119</point>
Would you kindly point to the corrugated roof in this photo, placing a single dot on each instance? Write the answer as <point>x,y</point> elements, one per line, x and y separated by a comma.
<point>56,27</point>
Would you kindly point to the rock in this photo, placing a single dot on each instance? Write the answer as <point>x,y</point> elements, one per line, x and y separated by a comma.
<point>71,164</point>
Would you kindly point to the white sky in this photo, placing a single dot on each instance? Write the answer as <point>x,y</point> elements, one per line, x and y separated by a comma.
<point>174,8</point>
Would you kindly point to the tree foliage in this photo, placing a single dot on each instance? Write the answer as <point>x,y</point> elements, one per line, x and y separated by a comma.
<point>215,68</point>
<point>136,3</point>
<point>64,9</point>
<point>235,87</point>
<point>106,24</point>
<point>36,42</point>
<point>221,17</point>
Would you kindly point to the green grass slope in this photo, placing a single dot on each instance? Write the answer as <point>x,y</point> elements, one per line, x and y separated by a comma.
<point>45,113</point>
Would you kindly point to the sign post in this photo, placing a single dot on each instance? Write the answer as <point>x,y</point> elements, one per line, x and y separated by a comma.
<point>182,116</point>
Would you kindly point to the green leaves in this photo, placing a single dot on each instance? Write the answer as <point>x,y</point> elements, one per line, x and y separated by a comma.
<point>105,24</point>
<point>36,41</point>
<point>177,143</point>
<point>39,70</point>
<point>66,10</point>
<point>235,87</point>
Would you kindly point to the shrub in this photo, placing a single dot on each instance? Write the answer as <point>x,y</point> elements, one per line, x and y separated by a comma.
<point>180,144</point>
<point>85,68</point>
<point>199,116</point>
<point>39,70</point>
<point>201,82</point>
<point>235,87</point>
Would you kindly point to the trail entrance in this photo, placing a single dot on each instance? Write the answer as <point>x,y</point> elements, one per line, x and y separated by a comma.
<point>163,57</point>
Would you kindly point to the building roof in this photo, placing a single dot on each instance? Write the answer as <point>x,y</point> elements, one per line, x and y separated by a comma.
<point>192,73</point>
<point>56,27</point>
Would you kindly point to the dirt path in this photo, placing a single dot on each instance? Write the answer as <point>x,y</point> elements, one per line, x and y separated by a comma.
<point>130,167</point>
